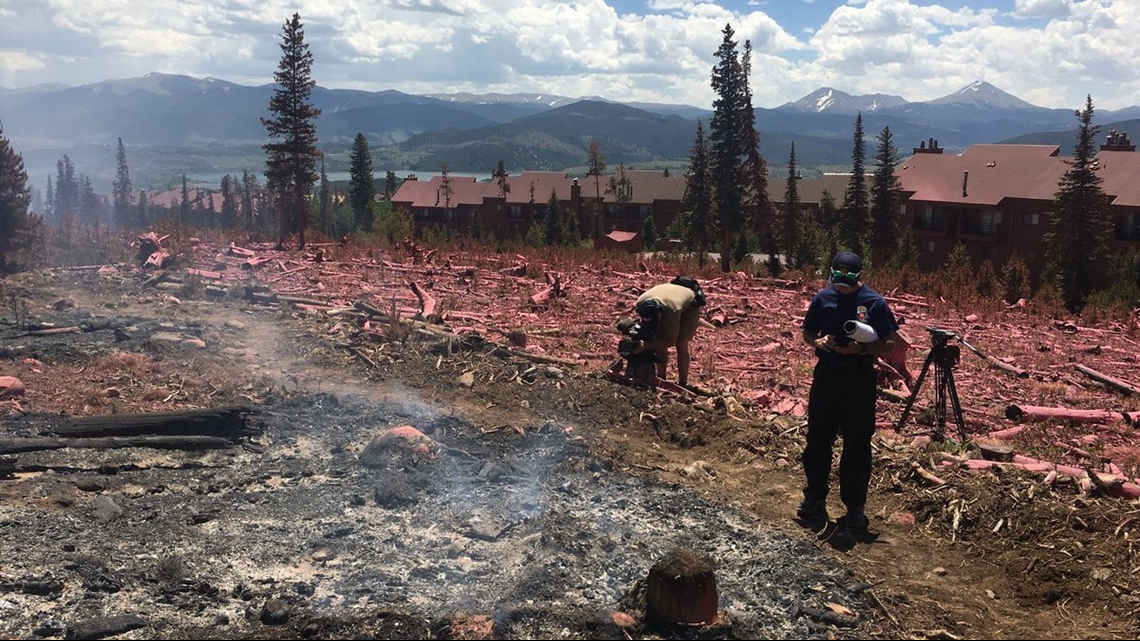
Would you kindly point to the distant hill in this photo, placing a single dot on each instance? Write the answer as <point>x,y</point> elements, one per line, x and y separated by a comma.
<point>173,125</point>
<point>1067,140</point>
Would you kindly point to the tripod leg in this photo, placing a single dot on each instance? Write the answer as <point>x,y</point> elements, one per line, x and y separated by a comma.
<point>939,399</point>
<point>914,392</point>
<point>956,404</point>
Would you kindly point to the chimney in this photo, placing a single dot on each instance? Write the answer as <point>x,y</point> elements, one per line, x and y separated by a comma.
<point>965,179</point>
<point>1117,141</point>
<point>928,147</point>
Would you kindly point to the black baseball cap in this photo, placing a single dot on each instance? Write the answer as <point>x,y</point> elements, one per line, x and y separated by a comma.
<point>850,260</point>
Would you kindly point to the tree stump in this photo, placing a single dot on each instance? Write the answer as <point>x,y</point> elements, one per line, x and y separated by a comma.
<point>681,590</point>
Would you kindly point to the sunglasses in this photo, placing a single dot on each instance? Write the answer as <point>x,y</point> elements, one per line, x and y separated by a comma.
<point>844,274</point>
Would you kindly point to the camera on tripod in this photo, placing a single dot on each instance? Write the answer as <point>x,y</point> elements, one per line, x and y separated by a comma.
<point>634,333</point>
<point>943,357</point>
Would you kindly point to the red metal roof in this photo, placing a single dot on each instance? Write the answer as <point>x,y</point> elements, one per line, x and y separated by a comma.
<point>1120,175</point>
<point>991,174</point>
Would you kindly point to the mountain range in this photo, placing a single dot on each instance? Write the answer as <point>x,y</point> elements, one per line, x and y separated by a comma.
<point>174,125</point>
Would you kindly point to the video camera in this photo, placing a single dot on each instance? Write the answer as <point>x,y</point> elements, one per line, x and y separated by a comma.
<point>634,333</point>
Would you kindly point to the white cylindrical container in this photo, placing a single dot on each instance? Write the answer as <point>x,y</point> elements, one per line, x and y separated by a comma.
<point>860,332</point>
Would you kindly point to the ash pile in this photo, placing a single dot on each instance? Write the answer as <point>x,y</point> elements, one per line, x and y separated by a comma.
<point>348,519</point>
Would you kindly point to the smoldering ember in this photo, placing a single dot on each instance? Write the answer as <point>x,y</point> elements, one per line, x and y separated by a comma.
<point>351,442</point>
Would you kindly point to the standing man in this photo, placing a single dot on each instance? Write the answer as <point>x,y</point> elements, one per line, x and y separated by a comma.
<point>672,312</point>
<point>843,389</point>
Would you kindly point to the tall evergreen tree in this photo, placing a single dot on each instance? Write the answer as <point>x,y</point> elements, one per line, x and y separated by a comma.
<point>248,188</point>
<point>596,167</point>
<point>555,231</point>
<point>142,216</point>
<point>791,213</point>
<point>123,192</point>
<point>16,225</point>
<point>66,189</point>
<point>446,191</point>
<point>729,142</point>
<point>228,218</point>
<point>500,177</point>
<point>49,206</point>
<point>292,151</point>
<point>361,188</point>
<point>184,206</point>
<point>886,195</point>
<point>389,185</point>
<point>1081,219</point>
<point>326,215</point>
<point>699,201</point>
<point>758,212</point>
<point>853,217</point>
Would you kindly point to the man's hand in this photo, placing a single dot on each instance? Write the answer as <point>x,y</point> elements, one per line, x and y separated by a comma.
<point>826,343</point>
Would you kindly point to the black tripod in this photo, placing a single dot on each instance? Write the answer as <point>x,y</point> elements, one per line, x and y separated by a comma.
<point>944,357</point>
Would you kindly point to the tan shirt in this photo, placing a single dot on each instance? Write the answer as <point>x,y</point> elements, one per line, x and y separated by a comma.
<point>676,300</point>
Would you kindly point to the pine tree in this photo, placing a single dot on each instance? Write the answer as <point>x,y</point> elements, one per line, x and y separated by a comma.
<point>758,212</point>
<point>1015,279</point>
<point>853,218</point>
<point>886,195</point>
<point>248,187</point>
<point>906,253</point>
<point>228,219</point>
<point>326,217</point>
<point>142,216</point>
<point>649,233</point>
<point>699,199</point>
<point>184,207</point>
<point>16,225</point>
<point>361,190</point>
<point>389,185</point>
<point>595,167</point>
<point>292,150</point>
<point>809,241</point>
<point>66,190</point>
<point>500,177</point>
<point>791,214</point>
<point>555,232</point>
<point>122,189</point>
<point>729,143</point>
<point>1081,219</point>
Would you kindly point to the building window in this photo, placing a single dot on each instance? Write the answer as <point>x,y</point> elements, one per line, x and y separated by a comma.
<point>421,215</point>
<point>980,223</point>
<point>930,219</point>
<point>613,211</point>
<point>926,246</point>
<point>516,211</point>
<point>645,210</point>
<point>902,209</point>
<point>1031,219</point>
<point>1128,227</point>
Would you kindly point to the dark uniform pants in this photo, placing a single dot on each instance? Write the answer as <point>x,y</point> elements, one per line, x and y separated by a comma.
<point>842,401</point>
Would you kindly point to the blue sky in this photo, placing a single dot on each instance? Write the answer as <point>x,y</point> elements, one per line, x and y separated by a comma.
<point>1049,52</point>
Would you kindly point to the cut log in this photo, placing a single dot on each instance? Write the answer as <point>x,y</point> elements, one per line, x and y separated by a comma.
<point>1115,383</point>
<point>1037,413</point>
<point>17,445</point>
<point>681,589</point>
<point>226,422</point>
<point>996,452</point>
<point>427,303</point>
<point>1132,418</point>
<point>926,475</point>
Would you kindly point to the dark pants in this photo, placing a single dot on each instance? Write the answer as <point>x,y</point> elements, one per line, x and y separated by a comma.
<point>842,401</point>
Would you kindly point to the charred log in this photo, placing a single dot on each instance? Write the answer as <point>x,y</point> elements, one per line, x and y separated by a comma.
<point>223,422</point>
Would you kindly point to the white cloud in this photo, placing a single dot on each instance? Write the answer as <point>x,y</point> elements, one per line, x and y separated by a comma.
<point>14,63</point>
<point>662,53</point>
<point>1042,8</point>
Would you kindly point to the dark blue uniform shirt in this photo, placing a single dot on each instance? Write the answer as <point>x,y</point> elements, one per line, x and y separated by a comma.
<point>829,310</point>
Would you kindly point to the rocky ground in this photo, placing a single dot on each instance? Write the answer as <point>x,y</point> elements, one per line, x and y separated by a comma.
<point>536,510</point>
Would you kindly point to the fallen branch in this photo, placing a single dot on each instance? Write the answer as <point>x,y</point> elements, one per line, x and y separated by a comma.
<point>1036,413</point>
<point>17,445</point>
<point>229,422</point>
<point>1116,383</point>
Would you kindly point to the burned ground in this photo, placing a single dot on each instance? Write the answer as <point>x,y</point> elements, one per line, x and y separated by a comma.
<point>552,493</point>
